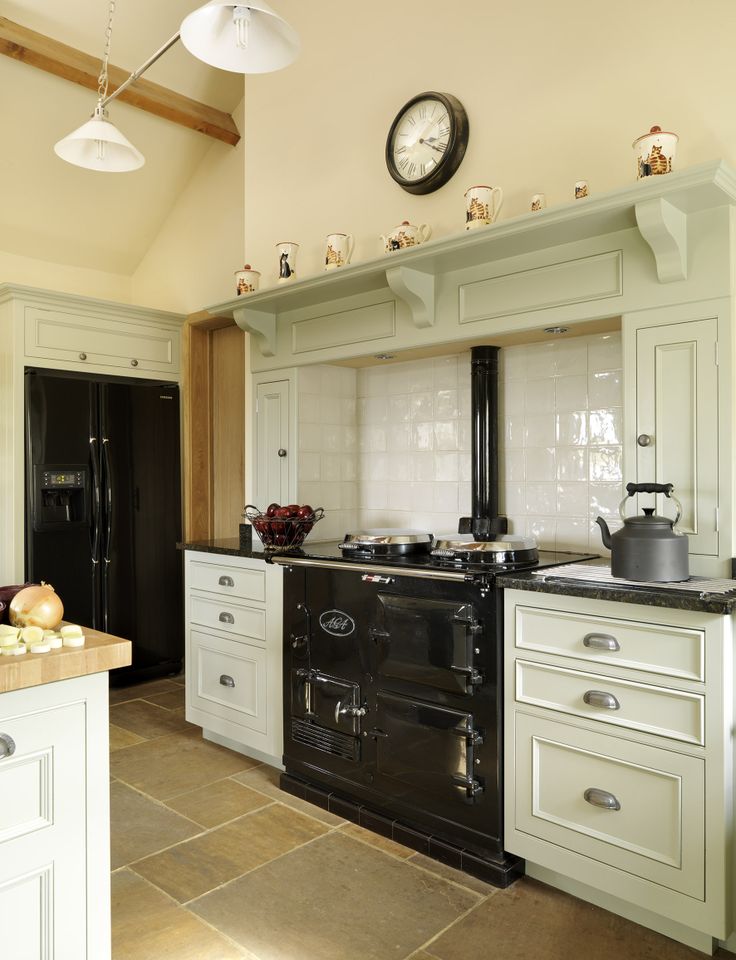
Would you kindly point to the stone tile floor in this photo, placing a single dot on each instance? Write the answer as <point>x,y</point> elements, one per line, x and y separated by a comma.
<point>212,861</point>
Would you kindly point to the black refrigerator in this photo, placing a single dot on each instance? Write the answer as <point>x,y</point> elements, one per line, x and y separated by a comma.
<point>103,509</point>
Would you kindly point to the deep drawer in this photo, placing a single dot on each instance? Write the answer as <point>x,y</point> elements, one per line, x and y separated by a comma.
<point>638,706</point>
<point>673,651</point>
<point>228,679</point>
<point>653,826</point>
<point>231,617</point>
<point>226,580</point>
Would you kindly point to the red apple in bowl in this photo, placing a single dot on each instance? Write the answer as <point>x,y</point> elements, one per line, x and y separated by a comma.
<point>305,512</point>
<point>272,508</point>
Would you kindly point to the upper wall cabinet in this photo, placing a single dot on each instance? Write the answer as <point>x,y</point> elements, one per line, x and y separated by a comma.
<point>658,242</point>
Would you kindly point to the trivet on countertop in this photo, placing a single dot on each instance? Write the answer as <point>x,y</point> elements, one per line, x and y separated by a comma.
<point>599,574</point>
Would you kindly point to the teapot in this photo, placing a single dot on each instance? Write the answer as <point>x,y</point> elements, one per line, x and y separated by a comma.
<point>405,235</point>
<point>649,547</point>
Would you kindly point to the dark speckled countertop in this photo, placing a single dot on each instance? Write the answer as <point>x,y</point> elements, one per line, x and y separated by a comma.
<point>648,596</point>
<point>229,546</point>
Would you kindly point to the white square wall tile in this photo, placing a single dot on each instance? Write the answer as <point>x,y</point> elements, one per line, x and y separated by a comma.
<point>445,371</point>
<point>398,408</point>
<point>397,436</point>
<point>539,463</point>
<point>421,406</point>
<point>540,360</point>
<point>605,352</point>
<point>375,409</point>
<point>572,463</point>
<point>572,534</point>
<point>422,496</point>
<point>376,467</point>
<point>512,365</point>
<point>605,389</point>
<point>513,498</point>
<point>447,466</point>
<point>512,396</point>
<point>514,430</point>
<point>544,531</point>
<point>398,467</point>
<point>446,404</point>
<point>539,396</point>
<point>373,496</point>
<point>571,356</point>
<point>572,428</point>
<point>310,437</point>
<point>349,467</point>
<point>606,426</point>
<point>445,435</point>
<point>512,466</point>
<point>309,379</point>
<point>464,434</point>
<point>605,464</point>
<point>445,497</point>
<point>571,393</point>
<point>331,467</point>
<point>573,499</point>
<point>539,430</point>
<point>465,465</point>
<point>541,498</point>
<point>308,408</point>
<point>605,499</point>
<point>376,382</point>
<point>400,496</point>
<point>372,439</point>
<point>421,466</point>
<point>422,436</point>
<point>465,493</point>
<point>309,466</point>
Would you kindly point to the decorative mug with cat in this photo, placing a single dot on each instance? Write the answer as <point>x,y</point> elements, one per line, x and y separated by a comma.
<point>482,206</point>
<point>287,261</point>
<point>655,153</point>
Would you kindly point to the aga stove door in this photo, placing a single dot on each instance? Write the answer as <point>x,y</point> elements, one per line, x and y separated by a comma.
<point>431,642</point>
<point>425,754</point>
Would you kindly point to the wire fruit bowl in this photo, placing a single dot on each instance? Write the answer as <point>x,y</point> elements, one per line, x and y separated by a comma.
<point>280,533</point>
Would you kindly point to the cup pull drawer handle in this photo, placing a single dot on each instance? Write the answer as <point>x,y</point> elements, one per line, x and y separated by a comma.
<point>601,798</point>
<point>226,618</point>
<point>225,581</point>
<point>598,698</point>
<point>601,641</point>
<point>227,681</point>
<point>7,745</point>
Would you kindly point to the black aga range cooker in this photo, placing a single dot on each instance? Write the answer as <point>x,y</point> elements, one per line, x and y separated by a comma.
<point>393,670</point>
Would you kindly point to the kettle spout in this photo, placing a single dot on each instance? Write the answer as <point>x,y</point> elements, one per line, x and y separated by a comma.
<point>605,532</point>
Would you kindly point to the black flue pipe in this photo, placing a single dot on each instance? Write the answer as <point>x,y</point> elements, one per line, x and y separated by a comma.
<point>484,522</point>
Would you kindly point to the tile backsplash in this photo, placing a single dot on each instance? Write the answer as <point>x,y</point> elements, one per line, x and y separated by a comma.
<point>390,446</point>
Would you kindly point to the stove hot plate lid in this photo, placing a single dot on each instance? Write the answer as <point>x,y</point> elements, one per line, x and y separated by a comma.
<point>506,548</point>
<point>387,540</point>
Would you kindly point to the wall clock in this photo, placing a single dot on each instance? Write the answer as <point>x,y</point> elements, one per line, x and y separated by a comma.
<point>427,142</point>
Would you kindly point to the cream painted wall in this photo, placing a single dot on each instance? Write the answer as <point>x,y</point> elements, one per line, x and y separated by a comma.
<point>191,262</point>
<point>64,278</point>
<point>554,92</point>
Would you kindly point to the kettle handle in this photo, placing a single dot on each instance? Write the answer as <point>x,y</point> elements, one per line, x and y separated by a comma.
<point>665,488</point>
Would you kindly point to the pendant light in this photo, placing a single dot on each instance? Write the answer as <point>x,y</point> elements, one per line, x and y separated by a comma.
<point>242,38</point>
<point>98,144</point>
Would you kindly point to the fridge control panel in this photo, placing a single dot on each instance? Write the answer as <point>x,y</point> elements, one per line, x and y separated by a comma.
<point>52,480</point>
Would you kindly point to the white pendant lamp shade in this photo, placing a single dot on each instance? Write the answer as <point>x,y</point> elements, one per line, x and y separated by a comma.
<point>250,38</point>
<point>99,145</point>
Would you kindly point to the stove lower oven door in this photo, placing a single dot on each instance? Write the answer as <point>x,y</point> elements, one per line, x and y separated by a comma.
<point>326,713</point>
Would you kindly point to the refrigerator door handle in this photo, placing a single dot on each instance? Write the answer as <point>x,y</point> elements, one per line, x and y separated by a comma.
<point>108,497</point>
<point>96,518</point>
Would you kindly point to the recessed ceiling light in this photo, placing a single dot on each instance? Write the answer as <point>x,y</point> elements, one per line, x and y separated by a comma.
<point>556,330</point>
<point>385,356</point>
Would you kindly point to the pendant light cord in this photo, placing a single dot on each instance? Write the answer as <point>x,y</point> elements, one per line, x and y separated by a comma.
<point>102,80</point>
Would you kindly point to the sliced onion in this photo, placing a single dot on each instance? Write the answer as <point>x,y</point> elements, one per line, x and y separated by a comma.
<point>36,606</point>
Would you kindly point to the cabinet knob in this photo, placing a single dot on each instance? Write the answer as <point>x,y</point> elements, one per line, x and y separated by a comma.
<point>82,356</point>
<point>226,618</point>
<point>601,641</point>
<point>644,439</point>
<point>226,681</point>
<point>281,452</point>
<point>225,581</point>
<point>7,745</point>
<point>134,363</point>
<point>598,698</point>
<point>601,798</point>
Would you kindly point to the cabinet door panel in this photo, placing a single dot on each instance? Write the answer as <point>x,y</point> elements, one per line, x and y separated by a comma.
<point>677,406</point>
<point>272,435</point>
<point>228,680</point>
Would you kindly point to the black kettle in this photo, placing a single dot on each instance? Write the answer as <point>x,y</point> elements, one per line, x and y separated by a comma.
<point>647,547</point>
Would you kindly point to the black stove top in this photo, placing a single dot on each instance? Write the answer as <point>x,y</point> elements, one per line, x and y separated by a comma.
<point>425,561</point>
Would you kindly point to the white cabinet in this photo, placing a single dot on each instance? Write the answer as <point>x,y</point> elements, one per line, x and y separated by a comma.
<point>674,404</point>
<point>273,448</point>
<point>618,756</point>
<point>233,652</point>
<point>54,821</point>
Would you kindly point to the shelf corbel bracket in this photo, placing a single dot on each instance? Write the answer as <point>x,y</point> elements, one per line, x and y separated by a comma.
<point>664,228</point>
<point>416,289</point>
<point>261,324</point>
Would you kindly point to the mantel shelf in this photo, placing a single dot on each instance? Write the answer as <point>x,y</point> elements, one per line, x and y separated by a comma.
<point>658,206</point>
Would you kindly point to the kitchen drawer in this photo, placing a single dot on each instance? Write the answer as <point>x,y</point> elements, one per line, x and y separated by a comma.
<point>99,342</point>
<point>673,651</point>
<point>227,679</point>
<point>232,618</point>
<point>638,706</point>
<point>228,581</point>
<point>658,830</point>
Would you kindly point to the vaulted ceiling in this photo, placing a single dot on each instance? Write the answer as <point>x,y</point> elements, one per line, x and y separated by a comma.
<point>53,211</point>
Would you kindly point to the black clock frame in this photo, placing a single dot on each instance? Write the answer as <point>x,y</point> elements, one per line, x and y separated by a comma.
<point>456,146</point>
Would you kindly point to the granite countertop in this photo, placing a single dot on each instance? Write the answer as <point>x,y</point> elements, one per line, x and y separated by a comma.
<point>648,595</point>
<point>101,652</point>
<point>228,546</point>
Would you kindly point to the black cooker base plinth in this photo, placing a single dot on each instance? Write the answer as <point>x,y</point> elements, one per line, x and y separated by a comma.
<point>501,872</point>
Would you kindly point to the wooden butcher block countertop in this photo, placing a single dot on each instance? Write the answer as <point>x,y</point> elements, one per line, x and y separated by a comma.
<point>101,651</point>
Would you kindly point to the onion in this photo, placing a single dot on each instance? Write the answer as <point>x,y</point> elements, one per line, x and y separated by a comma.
<point>36,606</point>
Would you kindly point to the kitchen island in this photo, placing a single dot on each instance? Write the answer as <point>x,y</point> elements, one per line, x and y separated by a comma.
<point>55,810</point>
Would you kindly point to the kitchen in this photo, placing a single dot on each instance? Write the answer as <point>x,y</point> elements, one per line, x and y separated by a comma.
<point>188,266</point>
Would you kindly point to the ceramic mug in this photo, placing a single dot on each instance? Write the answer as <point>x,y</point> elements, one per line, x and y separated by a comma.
<point>287,261</point>
<point>655,153</point>
<point>482,206</point>
<point>581,189</point>
<point>538,202</point>
<point>246,280</point>
<point>339,250</point>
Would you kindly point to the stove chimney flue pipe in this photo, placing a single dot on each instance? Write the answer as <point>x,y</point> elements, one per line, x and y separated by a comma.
<point>484,523</point>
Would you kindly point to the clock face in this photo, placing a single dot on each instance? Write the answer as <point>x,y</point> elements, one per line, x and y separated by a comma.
<point>426,142</point>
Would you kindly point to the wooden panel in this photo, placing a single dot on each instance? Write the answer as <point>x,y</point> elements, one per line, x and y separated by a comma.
<point>361,324</point>
<point>572,281</point>
<point>228,429</point>
<point>40,51</point>
<point>197,446</point>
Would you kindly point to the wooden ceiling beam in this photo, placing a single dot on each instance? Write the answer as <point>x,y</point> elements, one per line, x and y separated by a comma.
<point>43,52</point>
